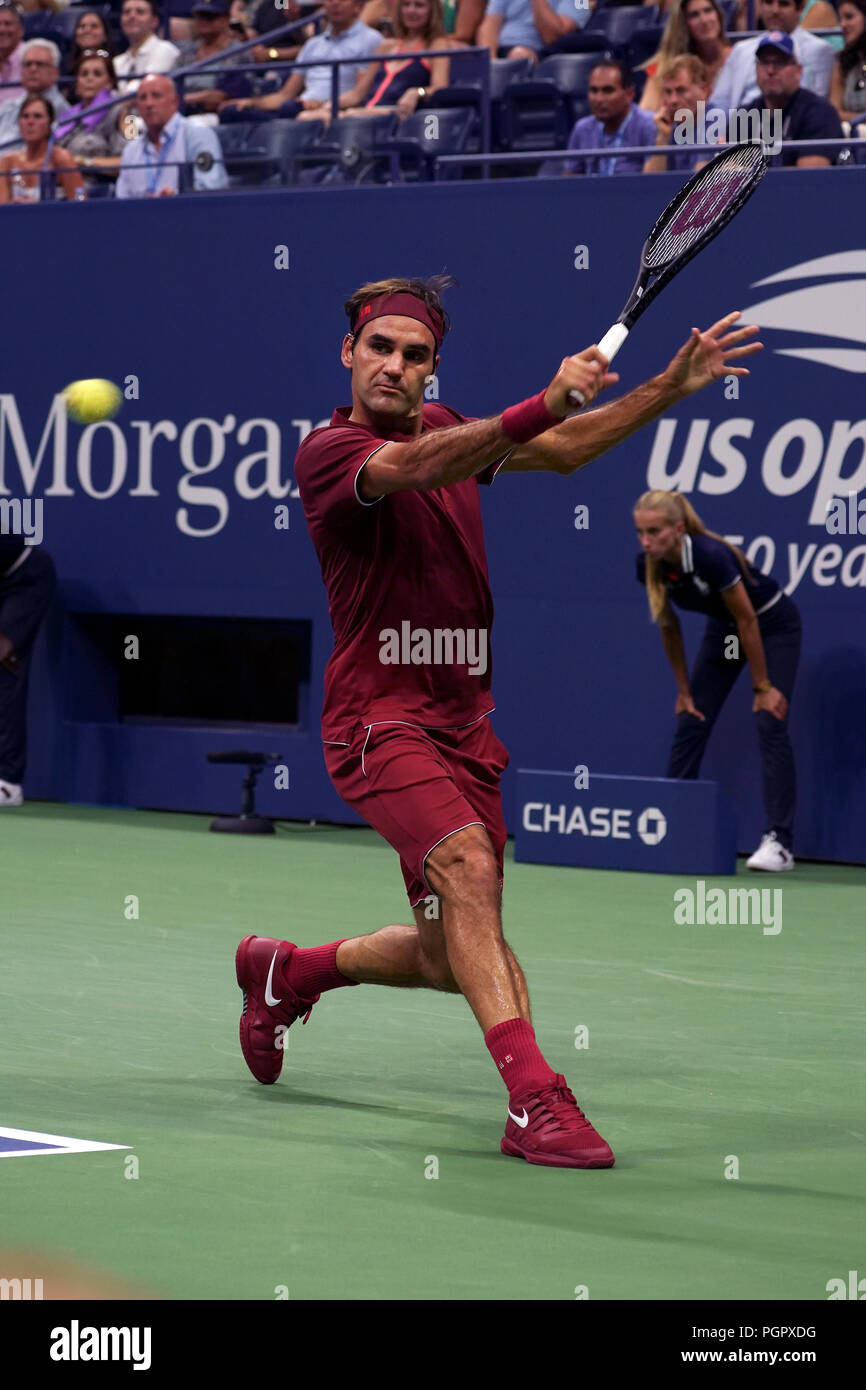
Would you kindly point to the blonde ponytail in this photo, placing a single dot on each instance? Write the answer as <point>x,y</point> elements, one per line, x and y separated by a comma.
<point>676,507</point>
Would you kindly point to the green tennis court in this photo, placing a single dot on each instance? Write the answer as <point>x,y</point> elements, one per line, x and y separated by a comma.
<point>710,1048</point>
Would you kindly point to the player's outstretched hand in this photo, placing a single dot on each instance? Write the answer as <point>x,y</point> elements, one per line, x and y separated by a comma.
<point>708,356</point>
<point>585,372</point>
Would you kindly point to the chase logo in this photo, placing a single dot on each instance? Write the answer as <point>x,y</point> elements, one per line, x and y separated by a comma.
<point>652,826</point>
<point>833,308</point>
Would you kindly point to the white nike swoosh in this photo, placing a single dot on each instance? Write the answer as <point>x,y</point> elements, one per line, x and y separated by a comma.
<point>269,998</point>
<point>517,1120</point>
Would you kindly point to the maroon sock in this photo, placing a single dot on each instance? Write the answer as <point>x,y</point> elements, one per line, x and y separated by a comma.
<point>513,1048</point>
<point>313,970</point>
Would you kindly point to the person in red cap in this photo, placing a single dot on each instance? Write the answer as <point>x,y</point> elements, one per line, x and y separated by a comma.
<point>390,489</point>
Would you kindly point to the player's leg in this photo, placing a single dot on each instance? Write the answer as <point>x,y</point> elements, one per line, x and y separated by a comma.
<point>781,634</point>
<point>711,682</point>
<point>464,874</point>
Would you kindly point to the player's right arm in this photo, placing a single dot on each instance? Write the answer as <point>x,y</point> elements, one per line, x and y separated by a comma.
<point>446,456</point>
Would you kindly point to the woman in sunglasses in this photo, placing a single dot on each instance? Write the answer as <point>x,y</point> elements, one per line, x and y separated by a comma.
<point>34,174</point>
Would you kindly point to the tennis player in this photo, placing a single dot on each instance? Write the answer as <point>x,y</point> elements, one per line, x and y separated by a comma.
<point>391,492</point>
<point>750,620</point>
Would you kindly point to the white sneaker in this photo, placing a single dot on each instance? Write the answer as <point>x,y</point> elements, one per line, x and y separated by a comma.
<point>771,855</point>
<point>10,794</point>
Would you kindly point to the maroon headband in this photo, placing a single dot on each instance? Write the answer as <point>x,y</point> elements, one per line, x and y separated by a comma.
<point>409,305</point>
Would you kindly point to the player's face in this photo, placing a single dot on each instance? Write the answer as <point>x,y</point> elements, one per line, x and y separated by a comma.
<point>702,20</point>
<point>777,75</point>
<point>781,14</point>
<point>658,538</point>
<point>390,360</point>
<point>608,99</point>
<point>852,22</point>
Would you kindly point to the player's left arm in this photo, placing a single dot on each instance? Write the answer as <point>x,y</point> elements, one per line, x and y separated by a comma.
<point>706,357</point>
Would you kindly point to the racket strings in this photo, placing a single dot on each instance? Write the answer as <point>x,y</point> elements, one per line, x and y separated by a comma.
<point>707,202</point>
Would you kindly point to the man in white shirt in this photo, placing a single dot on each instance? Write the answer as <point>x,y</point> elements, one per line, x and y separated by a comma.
<point>150,164</point>
<point>139,20</point>
<point>737,86</point>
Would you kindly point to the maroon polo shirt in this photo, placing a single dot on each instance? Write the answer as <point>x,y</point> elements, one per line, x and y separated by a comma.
<point>415,558</point>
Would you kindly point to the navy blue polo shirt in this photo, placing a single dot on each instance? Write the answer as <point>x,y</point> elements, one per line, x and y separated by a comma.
<point>708,567</point>
<point>806,116</point>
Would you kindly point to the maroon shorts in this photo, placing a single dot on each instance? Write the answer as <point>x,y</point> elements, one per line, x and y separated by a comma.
<point>418,786</point>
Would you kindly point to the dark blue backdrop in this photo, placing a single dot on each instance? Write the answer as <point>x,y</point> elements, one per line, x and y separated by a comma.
<point>185,296</point>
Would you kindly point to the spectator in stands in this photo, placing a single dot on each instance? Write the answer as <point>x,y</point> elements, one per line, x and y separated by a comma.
<point>139,20</point>
<point>307,94</point>
<point>615,121</point>
<point>207,91</point>
<point>848,83</point>
<point>267,15</point>
<point>684,83</point>
<point>694,26</point>
<point>149,167</point>
<point>96,141</point>
<point>522,28</point>
<point>399,83</point>
<point>11,33</point>
<point>92,32</point>
<point>805,116</point>
<point>737,86</point>
<point>23,172</point>
<point>40,59</point>
<point>817,14</point>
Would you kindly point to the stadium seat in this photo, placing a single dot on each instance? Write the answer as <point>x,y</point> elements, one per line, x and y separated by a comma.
<point>643,44</point>
<point>416,144</point>
<point>348,151</point>
<point>44,25</point>
<point>468,94</point>
<point>729,10</point>
<point>262,152</point>
<point>619,25</point>
<point>65,21</point>
<point>539,111</point>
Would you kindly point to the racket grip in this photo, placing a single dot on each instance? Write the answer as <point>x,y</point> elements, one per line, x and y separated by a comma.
<point>608,347</point>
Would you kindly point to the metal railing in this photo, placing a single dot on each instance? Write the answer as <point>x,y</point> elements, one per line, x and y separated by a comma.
<point>443,161</point>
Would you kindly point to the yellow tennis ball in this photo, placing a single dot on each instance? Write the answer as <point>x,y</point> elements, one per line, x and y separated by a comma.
<point>91,400</point>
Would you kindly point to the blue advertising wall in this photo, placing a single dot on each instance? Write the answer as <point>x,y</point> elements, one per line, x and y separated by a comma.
<point>171,508</point>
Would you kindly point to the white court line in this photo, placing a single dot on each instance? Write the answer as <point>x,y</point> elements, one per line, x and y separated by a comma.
<point>59,1143</point>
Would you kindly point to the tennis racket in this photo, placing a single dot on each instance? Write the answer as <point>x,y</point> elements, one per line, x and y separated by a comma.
<point>699,211</point>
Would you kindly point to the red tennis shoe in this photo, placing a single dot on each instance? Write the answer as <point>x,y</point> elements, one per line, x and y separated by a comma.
<point>549,1127</point>
<point>270,1006</point>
